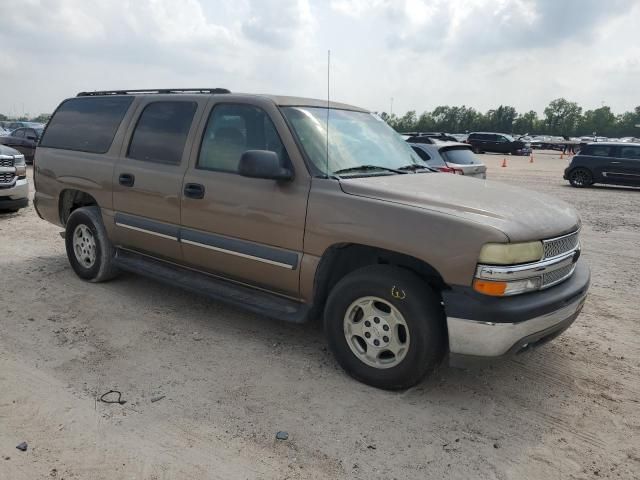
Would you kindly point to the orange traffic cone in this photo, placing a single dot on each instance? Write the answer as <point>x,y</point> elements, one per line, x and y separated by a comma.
<point>531,158</point>
<point>504,162</point>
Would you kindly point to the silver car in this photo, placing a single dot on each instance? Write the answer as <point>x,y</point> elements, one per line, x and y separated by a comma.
<point>14,190</point>
<point>451,157</point>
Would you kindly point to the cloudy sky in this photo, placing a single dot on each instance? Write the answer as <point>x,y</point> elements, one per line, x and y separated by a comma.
<point>421,53</point>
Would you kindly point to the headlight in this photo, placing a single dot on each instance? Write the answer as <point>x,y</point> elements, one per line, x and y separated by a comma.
<point>511,253</point>
<point>21,166</point>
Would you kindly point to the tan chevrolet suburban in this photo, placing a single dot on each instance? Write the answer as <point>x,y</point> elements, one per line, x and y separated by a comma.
<point>297,209</point>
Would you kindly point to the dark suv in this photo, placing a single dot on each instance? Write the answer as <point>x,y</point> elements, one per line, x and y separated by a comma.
<point>612,163</point>
<point>498,143</point>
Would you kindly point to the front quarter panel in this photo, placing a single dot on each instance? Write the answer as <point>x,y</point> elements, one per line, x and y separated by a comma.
<point>449,244</point>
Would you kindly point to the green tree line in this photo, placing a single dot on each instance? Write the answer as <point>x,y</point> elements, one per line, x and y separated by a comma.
<point>42,118</point>
<point>561,117</point>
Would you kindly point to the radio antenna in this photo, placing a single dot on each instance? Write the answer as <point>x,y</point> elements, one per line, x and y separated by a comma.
<point>328,104</point>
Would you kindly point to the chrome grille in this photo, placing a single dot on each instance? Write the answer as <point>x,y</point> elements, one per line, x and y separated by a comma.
<point>558,275</point>
<point>6,177</point>
<point>561,245</point>
<point>6,161</point>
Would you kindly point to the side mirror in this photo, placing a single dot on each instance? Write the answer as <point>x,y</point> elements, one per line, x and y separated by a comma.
<point>263,164</point>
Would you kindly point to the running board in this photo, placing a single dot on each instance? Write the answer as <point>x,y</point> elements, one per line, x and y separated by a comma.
<point>247,298</point>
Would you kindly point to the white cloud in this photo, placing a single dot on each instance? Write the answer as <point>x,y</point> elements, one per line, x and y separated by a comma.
<point>422,53</point>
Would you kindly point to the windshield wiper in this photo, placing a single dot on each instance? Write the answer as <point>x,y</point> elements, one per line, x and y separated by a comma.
<point>416,166</point>
<point>360,168</point>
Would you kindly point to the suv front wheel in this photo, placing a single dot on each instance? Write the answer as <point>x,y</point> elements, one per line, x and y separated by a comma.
<point>89,249</point>
<point>385,326</point>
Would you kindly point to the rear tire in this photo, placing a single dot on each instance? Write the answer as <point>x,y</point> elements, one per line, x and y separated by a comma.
<point>89,249</point>
<point>580,178</point>
<point>385,326</point>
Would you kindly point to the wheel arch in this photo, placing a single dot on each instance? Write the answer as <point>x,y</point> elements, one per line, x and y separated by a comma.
<point>71,199</point>
<point>341,259</point>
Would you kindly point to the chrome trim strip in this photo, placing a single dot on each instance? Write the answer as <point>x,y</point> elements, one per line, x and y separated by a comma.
<point>237,254</point>
<point>528,270</point>
<point>489,339</point>
<point>606,174</point>
<point>150,232</point>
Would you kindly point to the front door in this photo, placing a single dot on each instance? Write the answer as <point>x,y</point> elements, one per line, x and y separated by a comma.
<point>147,179</point>
<point>246,229</point>
<point>625,166</point>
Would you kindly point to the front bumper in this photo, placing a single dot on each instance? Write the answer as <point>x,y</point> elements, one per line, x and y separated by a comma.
<point>15,196</point>
<point>486,327</point>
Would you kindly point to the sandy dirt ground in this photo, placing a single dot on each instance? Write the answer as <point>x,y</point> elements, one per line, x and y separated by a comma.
<point>231,380</point>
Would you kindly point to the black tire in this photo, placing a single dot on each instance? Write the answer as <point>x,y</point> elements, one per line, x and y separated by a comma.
<point>415,301</point>
<point>580,178</point>
<point>102,268</point>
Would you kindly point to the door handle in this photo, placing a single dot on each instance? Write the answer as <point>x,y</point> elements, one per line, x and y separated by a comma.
<point>616,163</point>
<point>194,190</point>
<point>126,179</point>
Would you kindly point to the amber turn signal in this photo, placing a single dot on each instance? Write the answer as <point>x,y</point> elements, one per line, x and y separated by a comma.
<point>496,289</point>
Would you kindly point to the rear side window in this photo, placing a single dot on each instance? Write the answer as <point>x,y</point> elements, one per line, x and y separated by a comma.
<point>460,156</point>
<point>432,161</point>
<point>86,124</point>
<point>161,132</point>
<point>630,152</point>
<point>596,150</point>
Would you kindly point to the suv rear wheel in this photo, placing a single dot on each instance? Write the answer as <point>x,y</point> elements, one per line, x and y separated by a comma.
<point>580,177</point>
<point>385,326</point>
<point>89,250</point>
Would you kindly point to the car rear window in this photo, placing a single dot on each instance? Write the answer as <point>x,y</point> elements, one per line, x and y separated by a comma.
<point>460,156</point>
<point>86,124</point>
<point>596,150</point>
<point>161,132</point>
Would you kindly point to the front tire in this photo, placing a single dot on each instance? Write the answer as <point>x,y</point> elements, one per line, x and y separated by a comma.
<point>580,178</point>
<point>89,249</point>
<point>385,326</point>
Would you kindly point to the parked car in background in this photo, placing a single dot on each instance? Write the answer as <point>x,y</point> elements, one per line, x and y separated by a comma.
<point>11,126</point>
<point>451,157</point>
<point>14,190</point>
<point>428,137</point>
<point>610,163</point>
<point>497,143</point>
<point>24,140</point>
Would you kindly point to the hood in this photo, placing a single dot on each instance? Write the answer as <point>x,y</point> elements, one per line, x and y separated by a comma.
<point>4,150</point>
<point>520,214</point>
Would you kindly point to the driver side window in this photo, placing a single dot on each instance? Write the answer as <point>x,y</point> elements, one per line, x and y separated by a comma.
<point>19,133</point>
<point>232,130</point>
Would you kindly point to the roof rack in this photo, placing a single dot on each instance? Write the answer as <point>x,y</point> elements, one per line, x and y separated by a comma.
<point>154,90</point>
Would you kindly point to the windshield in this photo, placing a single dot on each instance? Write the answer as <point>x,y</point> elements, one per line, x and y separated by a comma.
<point>355,139</point>
<point>460,156</point>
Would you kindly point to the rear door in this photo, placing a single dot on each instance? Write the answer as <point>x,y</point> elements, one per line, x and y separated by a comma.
<point>16,139</point>
<point>625,166</point>
<point>245,229</point>
<point>147,179</point>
